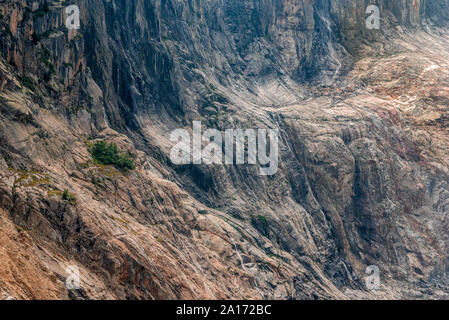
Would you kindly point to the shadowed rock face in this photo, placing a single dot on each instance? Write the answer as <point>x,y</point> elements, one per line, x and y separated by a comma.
<point>363,169</point>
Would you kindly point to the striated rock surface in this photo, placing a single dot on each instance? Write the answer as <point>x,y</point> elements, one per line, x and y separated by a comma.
<point>363,163</point>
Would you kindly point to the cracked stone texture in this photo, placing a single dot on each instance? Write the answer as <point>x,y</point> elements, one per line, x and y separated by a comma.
<point>363,172</point>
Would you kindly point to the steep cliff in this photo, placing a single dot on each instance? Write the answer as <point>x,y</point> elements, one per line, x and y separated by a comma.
<point>363,172</point>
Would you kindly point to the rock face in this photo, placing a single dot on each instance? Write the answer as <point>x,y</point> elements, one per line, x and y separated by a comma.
<point>363,149</point>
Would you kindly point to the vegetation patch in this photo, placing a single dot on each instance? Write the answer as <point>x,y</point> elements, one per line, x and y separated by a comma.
<point>236,228</point>
<point>70,198</point>
<point>30,178</point>
<point>51,193</point>
<point>263,220</point>
<point>261,223</point>
<point>46,60</point>
<point>22,177</point>
<point>45,35</point>
<point>108,154</point>
<point>42,11</point>
<point>119,220</point>
<point>27,82</point>
<point>36,181</point>
<point>77,37</point>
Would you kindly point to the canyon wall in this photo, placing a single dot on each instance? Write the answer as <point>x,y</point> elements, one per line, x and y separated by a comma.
<point>363,169</point>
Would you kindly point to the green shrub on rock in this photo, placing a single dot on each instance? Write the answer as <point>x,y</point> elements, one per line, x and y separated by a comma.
<point>68,197</point>
<point>108,154</point>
